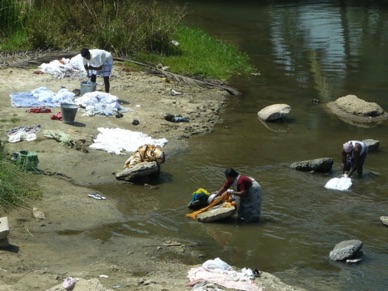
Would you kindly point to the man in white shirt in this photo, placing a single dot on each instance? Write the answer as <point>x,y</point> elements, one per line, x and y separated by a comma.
<point>98,62</point>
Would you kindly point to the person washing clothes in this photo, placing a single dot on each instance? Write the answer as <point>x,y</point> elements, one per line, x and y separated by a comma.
<point>98,62</point>
<point>248,192</point>
<point>353,157</point>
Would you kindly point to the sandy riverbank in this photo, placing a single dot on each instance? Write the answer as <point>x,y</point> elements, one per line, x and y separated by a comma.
<point>43,253</point>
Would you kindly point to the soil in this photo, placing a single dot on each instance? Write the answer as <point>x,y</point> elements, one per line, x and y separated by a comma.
<point>43,252</point>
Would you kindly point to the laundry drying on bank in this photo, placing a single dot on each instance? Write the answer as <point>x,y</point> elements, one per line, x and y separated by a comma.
<point>65,67</point>
<point>117,140</point>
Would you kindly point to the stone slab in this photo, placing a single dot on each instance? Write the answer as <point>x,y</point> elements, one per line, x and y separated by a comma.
<point>216,213</point>
<point>4,227</point>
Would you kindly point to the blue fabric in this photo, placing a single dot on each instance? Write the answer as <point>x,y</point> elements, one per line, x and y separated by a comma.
<point>41,97</point>
<point>27,99</point>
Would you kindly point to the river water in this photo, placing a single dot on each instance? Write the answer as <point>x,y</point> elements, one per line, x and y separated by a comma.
<point>303,51</point>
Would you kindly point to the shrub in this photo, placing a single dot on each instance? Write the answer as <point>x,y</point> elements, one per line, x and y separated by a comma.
<point>122,27</point>
<point>17,188</point>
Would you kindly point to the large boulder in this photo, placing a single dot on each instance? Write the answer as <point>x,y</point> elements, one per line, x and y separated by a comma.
<point>316,165</point>
<point>346,250</point>
<point>356,111</point>
<point>274,112</point>
<point>373,145</point>
<point>138,171</point>
<point>384,220</point>
<point>354,105</point>
<point>216,213</point>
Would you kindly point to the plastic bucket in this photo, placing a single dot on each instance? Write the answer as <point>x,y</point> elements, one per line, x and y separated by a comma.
<point>87,86</point>
<point>68,112</point>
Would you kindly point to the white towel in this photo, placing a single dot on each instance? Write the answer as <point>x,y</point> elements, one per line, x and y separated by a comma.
<point>342,184</point>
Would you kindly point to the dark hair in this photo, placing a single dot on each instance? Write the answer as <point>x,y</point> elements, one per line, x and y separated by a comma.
<point>85,52</point>
<point>231,173</point>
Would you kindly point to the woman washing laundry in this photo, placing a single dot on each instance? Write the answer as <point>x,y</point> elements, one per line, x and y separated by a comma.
<point>248,192</point>
<point>353,157</point>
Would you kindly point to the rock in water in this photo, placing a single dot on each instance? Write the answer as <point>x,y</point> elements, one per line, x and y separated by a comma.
<point>273,112</point>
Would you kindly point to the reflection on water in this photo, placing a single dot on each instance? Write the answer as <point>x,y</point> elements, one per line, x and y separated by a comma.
<point>304,51</point>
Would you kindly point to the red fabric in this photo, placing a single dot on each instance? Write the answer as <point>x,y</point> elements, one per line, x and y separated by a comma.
<point>243,183</point>
<point>39,110</point>
<point>57,116</point>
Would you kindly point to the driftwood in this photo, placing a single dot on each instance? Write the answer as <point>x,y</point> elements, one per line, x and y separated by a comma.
<point>140,170</point>
<point>210,84</point>
<point>25,59</point>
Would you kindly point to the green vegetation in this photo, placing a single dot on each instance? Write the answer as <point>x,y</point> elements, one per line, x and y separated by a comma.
<point>10,16</point>
<point>135,29</point>
<point>17,188</point>
<point>200,55</point>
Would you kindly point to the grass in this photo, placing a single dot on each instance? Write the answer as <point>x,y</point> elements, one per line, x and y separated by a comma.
<point>202,56</point>
<point>17,188</point>
<point>10,13</point>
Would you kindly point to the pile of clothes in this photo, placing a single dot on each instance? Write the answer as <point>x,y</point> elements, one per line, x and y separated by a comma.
<point>218,272</point>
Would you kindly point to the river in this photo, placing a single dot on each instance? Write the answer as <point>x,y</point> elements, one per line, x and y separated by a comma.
<point>303,50</point>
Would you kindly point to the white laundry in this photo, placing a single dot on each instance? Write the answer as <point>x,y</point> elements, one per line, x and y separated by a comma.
<point>342,184</point>
<point>98,103</point>
<point>117,140</point>
<point>65,68</point>
<point>21,133</point>
<point>218,272</point>
<point>19,136</point>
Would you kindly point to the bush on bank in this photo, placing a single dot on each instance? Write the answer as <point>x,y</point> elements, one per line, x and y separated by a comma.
<point>129,29</point>
<point>17,188</point>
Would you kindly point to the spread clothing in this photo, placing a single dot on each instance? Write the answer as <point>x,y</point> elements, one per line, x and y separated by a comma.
<point>249,206</point>
<point>100,58</point>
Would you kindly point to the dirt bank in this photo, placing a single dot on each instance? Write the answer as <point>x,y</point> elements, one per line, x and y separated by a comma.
<point>43,253</point>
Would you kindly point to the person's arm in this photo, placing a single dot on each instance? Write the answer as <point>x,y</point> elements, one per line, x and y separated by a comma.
<point>94,68</point>
<point>221,191</point>
<point>87,70</point>
<point>355,165</point>
<point>343,161</point>
<point>225,187</point>
<point>243,184</point>
<point>242,193</point>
